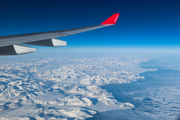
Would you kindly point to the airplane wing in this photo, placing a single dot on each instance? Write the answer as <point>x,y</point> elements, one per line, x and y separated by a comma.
<point>11,45</point>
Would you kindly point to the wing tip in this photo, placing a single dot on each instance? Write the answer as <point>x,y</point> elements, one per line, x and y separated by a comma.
<point>111,20</point>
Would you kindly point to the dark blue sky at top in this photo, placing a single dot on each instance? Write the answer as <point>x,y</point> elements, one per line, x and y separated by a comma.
<point>141,22</point>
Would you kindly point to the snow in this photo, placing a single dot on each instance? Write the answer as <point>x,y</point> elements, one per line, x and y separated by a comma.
<point>61,88</point>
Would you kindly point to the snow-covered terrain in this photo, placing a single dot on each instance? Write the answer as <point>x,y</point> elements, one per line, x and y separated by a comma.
<point>63,88</point>
<point>162,104</point>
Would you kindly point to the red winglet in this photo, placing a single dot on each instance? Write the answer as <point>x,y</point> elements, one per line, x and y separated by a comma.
<point>111,20</point>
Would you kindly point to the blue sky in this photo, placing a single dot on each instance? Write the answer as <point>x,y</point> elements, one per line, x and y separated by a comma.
<point>142,22</point>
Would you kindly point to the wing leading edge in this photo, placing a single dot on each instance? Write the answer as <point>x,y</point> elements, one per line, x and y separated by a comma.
<point>45,36</point>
